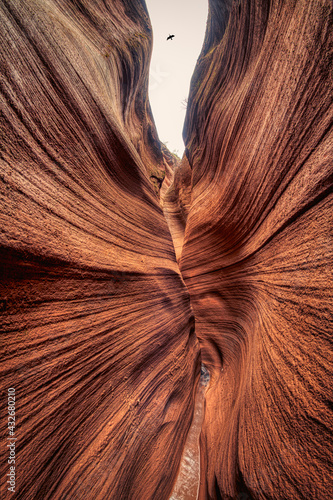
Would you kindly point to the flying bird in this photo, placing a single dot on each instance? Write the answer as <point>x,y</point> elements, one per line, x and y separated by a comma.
<point>170,37</point>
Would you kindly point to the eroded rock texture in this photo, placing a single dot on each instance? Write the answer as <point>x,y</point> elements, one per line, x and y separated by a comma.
<point>97,331</point>
<point>255,249</point>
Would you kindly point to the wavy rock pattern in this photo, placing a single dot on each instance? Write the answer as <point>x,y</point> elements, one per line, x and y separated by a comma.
<point>256,249</point>
<point>97,330</point>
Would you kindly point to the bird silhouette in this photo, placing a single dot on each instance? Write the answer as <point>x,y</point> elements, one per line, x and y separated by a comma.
<point>170,37</point>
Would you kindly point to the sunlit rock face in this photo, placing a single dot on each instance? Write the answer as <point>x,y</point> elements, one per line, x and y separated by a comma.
<point>97,330</point>
<point>256,248</point>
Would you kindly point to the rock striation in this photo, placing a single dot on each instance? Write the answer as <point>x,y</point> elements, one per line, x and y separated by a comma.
<point>255,249</point>
<point>97,332</point>
<point>109,248</point>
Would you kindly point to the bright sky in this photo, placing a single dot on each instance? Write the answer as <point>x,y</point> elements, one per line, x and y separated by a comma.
<point>173,63</point>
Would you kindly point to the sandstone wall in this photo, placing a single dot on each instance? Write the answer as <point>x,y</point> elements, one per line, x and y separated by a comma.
<point>97,328</point>
<point>97,332</point>
<point>257,246</point>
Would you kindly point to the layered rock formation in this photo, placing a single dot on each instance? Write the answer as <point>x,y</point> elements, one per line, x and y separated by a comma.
<point>255,246</point>
<point>97,328</point>
<point>97,331</point>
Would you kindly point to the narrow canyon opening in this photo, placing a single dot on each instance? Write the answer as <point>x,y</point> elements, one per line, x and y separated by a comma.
<point>177,43</point>
<point>123,268</point>
<point>173,62</point>
<point>188,479</point>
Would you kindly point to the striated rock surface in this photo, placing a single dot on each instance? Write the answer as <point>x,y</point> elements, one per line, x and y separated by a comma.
<point>97,333</point>
<point>255,249</point>
<point>97,330</point>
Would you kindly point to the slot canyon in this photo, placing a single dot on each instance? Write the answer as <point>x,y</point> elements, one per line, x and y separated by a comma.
<point>152,305</point>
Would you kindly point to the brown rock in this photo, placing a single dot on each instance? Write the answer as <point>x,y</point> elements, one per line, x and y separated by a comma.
<point>257,247</point>
<point>176,204</point>
<point>97,330</point>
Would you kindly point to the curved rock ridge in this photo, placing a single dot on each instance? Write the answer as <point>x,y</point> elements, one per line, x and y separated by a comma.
<point>176,204</point>
<point>255,246</point>
<point>97,330</point>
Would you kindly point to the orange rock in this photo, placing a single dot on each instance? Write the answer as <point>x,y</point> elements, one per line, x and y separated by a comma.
<point>256,253</point>
<point>97,330</point>
<point>97,327</point>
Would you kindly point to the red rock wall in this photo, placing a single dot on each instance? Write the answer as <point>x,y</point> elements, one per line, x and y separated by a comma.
<point>256,253</point>
<point>97,332</point>
<point>97,329</point>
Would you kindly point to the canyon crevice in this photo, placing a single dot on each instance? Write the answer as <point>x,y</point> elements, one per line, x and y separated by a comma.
<point>124,269</point>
